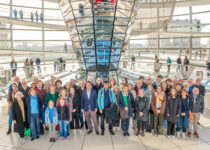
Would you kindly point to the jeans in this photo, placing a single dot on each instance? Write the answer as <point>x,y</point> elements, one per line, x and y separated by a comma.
<point>10,117</point>
<point>102,123</point>
<point>133,65</point>
<point>165,123</point>
<point>63,128</point>
<point>82,120</point>
<point>38,69</point>
<point>183,121</point>
<point>125,124</point>
<point>35,125</point>
<point>178,68</point>
<point>43,114</point>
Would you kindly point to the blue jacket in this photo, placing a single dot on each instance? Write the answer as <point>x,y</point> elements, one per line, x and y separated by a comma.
<point>168,61</point>
<point>12,66</point>
<point>47,116</point>
<point>101,98</point>
<point>121,103</point>
<point>92,101</point>
<point>28,103</point>
<point>38,61</point>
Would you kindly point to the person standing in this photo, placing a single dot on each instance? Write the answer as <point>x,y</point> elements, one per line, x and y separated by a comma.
<point>51,118</point>
<point>51,95</point>
<point>132,62</point>
<point>141,108</point>
<point>198,25</point>
<point>15,13</point>
<point>65,47</point>
<point>158,105</point>
<point>150,122</point>
<point>19,114</point>
<point>25,90</point>
<point>197,109</point>
<point>10,100</point>
<point>173,111</point>
<point>98,85</point>
<point>21,14</point>
<point>186,63</point>
<point>105,98</point>
<point>34,113</point>
<point>89,107</point>
<point>41,17</point>
<point>81,9</point>
<point>76,101</point>
<point>32,17</point>
<point>31,68</point>
<point>169,64</point>
<point>201,88</point>
<point>13,66</point>
<point>156,64</point>
<point>37,16</point>
<point>185,108</point>
<point>63,118</point>
<point>179,63</point>
<point>38,62</point>
<point>208,68</point>
<point>41,93</point>
<point>125,102</point>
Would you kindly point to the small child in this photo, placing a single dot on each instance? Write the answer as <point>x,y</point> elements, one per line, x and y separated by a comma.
<point>63,117</point>
<point>51,118</point>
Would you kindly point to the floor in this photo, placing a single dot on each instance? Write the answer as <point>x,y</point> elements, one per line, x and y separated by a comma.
<point>81,141</point>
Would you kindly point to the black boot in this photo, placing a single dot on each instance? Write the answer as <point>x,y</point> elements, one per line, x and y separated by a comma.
<point>9,130</point>
<point>138,133</point>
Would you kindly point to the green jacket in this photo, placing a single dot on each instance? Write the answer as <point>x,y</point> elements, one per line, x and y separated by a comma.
<point>50,97</point>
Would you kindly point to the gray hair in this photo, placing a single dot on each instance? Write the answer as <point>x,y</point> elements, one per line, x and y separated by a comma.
<point>18,92</point>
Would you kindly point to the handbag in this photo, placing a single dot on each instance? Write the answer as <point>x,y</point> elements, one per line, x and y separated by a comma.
<point>123,114</point>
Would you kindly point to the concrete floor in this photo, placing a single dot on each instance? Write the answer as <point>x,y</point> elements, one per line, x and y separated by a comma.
<point>81,141</point>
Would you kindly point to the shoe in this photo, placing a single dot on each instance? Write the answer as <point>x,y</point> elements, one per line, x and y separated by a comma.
<point>97,133</point>
<point>9,130</point>
<point>142,134</point>
<point>124,134</point>
<point>66,139</point>
<point>54,140</point>
<point>102,133</point>
<point>81,126</point>
<point>111,132</point>
<point>61,138</point>
<point>189,134</point>
<point>90,131</point>
<point>196,135</point>
<point>51,139</point>
<point>46,128</point>
<point>178,134</point>
<point>183,135</point>
<point>138,133</point>
<point>32,139</point>
<point>169,136</point>
<point>37,137</point>
<point>127,133</point>
<point>172,136</point>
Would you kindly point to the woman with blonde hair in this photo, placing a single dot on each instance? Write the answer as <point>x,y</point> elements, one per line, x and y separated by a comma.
<point>112,83</point>
<point>47,86</point>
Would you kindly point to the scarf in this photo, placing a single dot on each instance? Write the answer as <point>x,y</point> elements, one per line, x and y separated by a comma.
<point>20,102</point>
<point>159,98</point>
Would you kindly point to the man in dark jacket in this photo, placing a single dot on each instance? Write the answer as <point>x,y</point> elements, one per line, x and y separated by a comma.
<point>25,90</point>
<point>201,88</point>
<point>98,85</point>
<point>179,62</point>
<point>89,107</point>
<point>197,110</point>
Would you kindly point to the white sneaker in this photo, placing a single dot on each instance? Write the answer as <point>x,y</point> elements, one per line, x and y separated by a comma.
<point>169,136</point>
<point>172,136</point>
<point>178,134</point>
<point>183,135</point>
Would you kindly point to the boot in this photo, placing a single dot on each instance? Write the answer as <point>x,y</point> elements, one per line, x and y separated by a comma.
<point>9,130</point>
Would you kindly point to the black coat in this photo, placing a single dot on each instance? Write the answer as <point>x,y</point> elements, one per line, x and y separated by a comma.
<point>76,103</point>
<point>63,112</point>
<point>141,105</point>
<point>17,115</point>
<point>173,108</point>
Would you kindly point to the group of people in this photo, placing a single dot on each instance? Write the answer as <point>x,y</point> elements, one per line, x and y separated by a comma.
<point>59,65</point>
<point>29,67</point>
<point>152,106</point>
